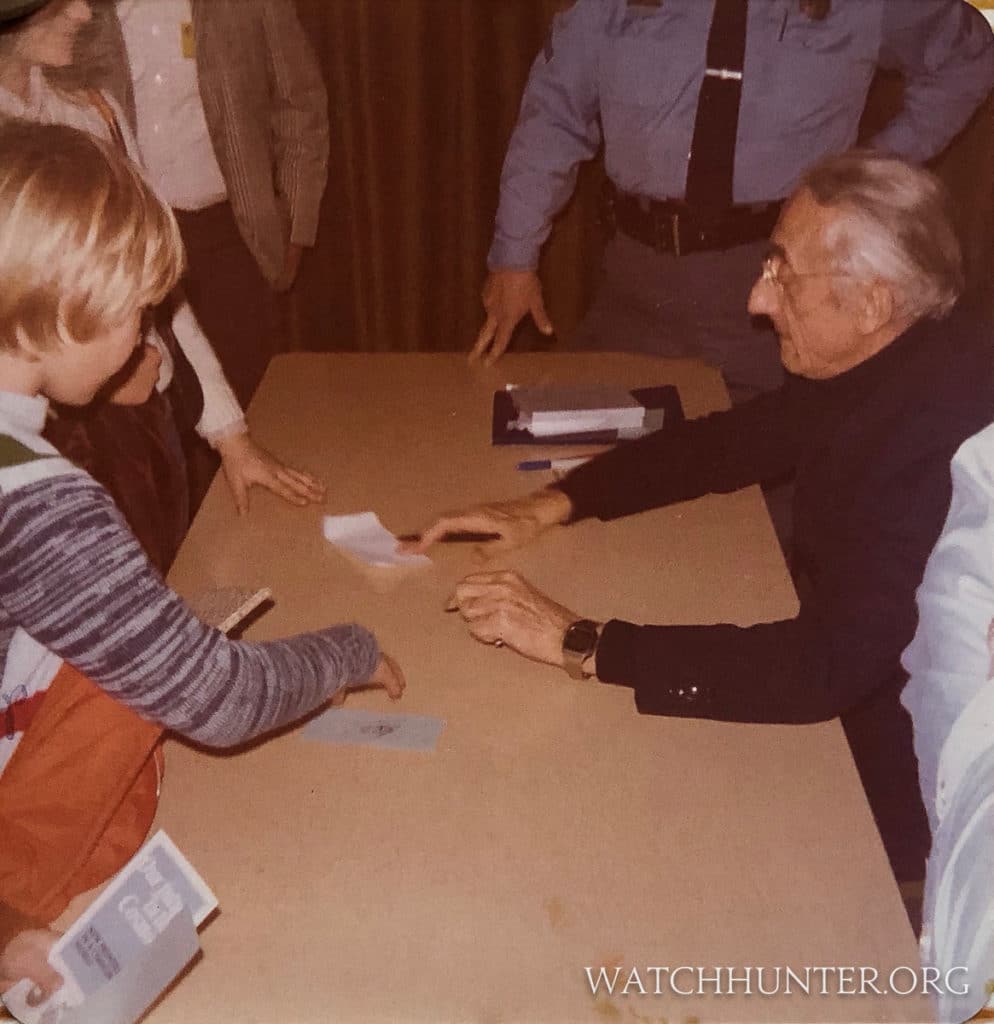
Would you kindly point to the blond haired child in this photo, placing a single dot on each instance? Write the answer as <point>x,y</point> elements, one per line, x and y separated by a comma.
<point>97,655</point>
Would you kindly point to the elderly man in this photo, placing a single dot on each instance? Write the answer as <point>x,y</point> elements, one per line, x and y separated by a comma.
<point>882,386</point>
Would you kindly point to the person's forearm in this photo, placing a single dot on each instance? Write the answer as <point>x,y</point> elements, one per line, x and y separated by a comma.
<point>718,453</point>
<point>299,120</point>
<point>557,129</point>
<point>105,610</point>
<point>773,672</point>
<point>945,52</point>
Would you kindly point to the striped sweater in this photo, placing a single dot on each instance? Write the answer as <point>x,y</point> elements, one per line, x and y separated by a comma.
<point>76,586</point>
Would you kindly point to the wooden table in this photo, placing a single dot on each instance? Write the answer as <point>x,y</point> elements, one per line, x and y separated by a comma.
<point>554,828</point>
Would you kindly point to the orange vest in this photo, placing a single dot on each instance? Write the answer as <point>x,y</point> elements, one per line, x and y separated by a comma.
<point>77,797</point>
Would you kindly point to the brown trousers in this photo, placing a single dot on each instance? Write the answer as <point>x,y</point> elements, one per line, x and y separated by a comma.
<point>236,306</point>
<point>135,452</point>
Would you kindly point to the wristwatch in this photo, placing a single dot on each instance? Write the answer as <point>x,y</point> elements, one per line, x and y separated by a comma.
<point>579,643</point>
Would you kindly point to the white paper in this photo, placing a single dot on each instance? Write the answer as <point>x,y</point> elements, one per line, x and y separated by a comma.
<point>365,537</point>
<point>585,422</point>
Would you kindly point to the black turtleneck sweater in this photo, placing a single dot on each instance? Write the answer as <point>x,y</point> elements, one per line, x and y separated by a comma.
<point>870,452</point>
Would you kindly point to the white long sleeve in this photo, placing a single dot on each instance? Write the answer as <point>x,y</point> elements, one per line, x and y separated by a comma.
<point>222,414</point>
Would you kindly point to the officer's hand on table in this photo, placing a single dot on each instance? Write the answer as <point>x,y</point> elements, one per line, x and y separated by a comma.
<point>507,296</point>
<point>514,522</point>
<point>26,956</point>
<point>387,676</point>
<point>140,376</point>
<point>246,464</point>
<point>502,608</point>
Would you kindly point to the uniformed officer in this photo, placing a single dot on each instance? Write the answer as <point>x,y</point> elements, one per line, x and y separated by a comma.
<point>708,113</point>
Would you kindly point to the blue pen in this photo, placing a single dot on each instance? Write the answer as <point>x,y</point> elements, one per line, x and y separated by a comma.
<point>559,464</point>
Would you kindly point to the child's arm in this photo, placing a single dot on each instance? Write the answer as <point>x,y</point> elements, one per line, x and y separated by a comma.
<point>75,579</point>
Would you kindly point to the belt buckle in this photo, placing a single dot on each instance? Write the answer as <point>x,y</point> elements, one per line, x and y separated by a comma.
<point>666,231</point>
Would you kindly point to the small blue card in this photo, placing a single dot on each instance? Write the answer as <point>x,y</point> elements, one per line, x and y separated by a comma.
<point>373,729</point>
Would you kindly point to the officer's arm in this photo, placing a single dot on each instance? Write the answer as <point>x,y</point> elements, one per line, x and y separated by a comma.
<point>558,127</point>
<point>945,49</point>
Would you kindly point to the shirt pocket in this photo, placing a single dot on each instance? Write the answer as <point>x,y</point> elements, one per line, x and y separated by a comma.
<point>847,37</point>
<point>645,72</point>
<point>819,76</point>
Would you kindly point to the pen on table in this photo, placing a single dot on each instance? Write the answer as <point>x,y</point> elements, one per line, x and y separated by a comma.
<point>559,464</point>
<point>456,537</point>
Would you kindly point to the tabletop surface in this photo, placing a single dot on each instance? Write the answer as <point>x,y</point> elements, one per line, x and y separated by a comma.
<point>553,828</point>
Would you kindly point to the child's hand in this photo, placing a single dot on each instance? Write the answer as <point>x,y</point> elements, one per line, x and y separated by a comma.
<point>387,675</point>
<point>26,956</point>
<point>246,464</point>
<point>137,386</point>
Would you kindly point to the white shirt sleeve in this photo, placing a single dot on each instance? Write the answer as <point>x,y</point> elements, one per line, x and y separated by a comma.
<point>948,661</point>
<point>222,415</point>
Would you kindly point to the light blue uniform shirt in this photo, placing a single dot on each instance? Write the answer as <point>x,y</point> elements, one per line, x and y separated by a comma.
<point>629,75</point>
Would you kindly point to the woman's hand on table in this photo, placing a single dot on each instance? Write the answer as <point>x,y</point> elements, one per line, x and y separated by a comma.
<point>134,385</point>
<point>387,676</point>
<point>513,523</point>
<point>504,609</point>
<point>246,464</point>
<point>26,956</point>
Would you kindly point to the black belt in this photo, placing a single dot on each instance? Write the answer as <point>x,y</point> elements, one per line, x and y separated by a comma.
<point>670,226</point>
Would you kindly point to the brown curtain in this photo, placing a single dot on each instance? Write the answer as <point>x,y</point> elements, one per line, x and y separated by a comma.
<point>423,95</point>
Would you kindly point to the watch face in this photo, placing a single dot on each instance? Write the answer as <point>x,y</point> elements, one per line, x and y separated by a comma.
<point>580,638</point>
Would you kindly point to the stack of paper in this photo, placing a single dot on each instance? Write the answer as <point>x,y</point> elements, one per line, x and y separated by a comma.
<point>548,412</point>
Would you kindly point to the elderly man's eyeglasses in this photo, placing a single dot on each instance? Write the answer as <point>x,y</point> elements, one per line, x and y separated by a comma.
<point>779,273</point>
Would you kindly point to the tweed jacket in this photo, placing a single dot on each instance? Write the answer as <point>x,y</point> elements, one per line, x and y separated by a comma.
<point>267,114</point>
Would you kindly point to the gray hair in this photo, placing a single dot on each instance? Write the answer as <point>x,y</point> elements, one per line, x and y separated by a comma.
<point>894,224</point>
